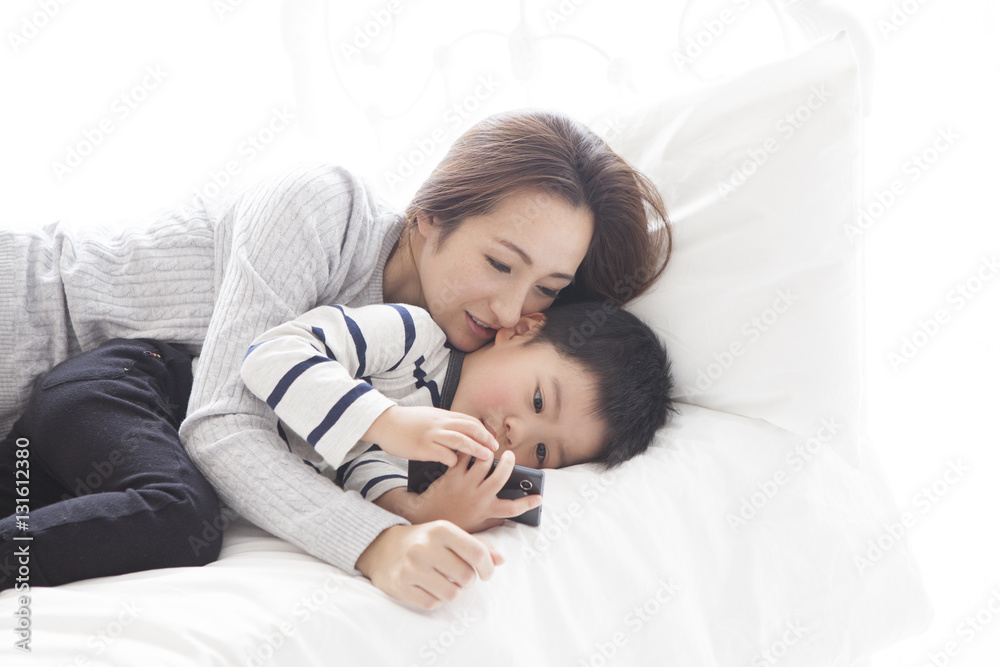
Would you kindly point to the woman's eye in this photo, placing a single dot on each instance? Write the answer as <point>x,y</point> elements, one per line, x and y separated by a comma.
<point>541,452</point>
<point>537,401</point>
<point>548,293</point>
<point>499,266</point>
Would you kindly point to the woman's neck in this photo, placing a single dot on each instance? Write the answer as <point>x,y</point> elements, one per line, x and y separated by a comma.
<point>400,278</point>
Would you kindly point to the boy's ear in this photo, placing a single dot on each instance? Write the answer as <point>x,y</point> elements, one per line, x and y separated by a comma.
<point>525,326</point>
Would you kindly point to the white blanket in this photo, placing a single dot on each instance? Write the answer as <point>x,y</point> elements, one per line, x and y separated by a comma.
<point>692,554</point>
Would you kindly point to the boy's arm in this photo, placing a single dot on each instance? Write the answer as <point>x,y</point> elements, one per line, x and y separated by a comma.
<point>314,372</point>
<point>310,371</point>
<point>374,475</point>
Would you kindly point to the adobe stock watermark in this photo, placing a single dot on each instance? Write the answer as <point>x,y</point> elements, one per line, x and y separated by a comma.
<point>249,148</point>
<point>121,108</point>
<point>751,330</point>
<point>750,505</point>
<point>900,14</point>
<point>452,120</point>
<point>785,128</point>
<point>927,329</point>
<point>272,640</point>
<point>912,170</point>
<point>223,8</point>
<point>33,24</point>
<point>632,624</point>
<point>211,531</point>
<point>966,631</point>
<point>558,524</point>
<point>780,648</point>
<point>923,501</point>
<point>559,13</point>
<point>379,20</point>
<point>434,649</point>
<point>103,638</point>
<point>93,480</point>
<point>699,43</point>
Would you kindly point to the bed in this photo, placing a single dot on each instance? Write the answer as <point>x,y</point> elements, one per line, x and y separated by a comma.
<point>758,530</point>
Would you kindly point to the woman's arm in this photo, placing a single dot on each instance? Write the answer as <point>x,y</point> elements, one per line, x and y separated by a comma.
<point>288,243</point>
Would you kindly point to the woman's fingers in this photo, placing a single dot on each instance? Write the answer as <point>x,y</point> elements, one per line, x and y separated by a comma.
<point>427,565</point>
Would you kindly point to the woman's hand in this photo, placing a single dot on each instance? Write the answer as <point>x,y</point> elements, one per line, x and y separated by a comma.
<point>427,565</point>
<point>431,434</point>
<point>463,495</point>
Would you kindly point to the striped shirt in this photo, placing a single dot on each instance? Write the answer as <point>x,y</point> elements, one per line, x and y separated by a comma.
<point>329,374</point>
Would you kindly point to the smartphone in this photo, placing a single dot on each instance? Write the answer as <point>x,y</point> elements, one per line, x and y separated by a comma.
<point>523,481</point>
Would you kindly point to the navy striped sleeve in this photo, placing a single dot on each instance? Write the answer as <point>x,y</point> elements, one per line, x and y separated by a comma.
<point>360,344</point>
<point>337,411</point>
<point>288,378</point>
<point>372,482</point>
<point>409,332</point>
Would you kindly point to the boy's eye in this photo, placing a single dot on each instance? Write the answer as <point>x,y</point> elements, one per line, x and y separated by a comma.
<point>537,401</point>
<point>499,266</point>
<point>541,451</point>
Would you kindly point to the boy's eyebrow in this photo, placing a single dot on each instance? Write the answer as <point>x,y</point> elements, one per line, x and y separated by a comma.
<point>526,258</point>
<point>557,448</point>
<point>557,390</point>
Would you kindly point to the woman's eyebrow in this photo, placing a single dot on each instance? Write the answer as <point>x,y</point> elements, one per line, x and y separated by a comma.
<point>527,258</point>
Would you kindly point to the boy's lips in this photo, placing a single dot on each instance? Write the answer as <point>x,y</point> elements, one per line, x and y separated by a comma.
<point>489,428</point>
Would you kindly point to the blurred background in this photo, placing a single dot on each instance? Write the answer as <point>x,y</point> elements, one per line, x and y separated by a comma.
<point>116,110</point>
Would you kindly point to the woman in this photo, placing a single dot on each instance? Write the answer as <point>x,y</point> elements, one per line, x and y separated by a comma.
<point>525,208</point>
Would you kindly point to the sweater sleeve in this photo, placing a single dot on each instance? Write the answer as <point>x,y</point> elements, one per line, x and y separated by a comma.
<point>294,241</point>
<point>315,370</point>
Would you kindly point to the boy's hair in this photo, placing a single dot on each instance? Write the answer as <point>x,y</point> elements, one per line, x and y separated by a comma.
<point>629,365</point>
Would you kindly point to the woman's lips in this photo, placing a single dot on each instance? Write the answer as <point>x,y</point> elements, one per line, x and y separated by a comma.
<point>489,428</point>
<point>478,329</point>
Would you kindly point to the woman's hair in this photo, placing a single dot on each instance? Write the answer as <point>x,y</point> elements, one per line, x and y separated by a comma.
<point>513,152</point>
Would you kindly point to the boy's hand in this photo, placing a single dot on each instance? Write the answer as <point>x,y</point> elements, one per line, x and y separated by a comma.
<point>464,496</point>
<point>427,565</point>
<point>431,434</point>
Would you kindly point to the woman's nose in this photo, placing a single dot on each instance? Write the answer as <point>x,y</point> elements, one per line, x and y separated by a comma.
<point>507,307</point>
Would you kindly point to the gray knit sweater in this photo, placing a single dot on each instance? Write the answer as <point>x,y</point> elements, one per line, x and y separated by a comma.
<point>212,279</point>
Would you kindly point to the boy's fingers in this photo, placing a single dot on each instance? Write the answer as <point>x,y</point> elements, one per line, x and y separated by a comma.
<point>505,466</point>
<point>446,456</point>
<point>476,430</point>
<point>517,507</point>
<point>463,443</point>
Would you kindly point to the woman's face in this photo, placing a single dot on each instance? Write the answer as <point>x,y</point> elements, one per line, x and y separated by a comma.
<point>494,268</point>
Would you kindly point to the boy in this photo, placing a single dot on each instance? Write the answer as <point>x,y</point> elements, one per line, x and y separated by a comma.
<point>572,385</point>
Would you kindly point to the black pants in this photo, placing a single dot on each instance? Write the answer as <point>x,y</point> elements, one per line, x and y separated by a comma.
<point>110,488</point>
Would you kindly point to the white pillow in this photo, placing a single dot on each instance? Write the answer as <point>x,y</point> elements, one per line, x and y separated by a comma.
<point>759,305</point>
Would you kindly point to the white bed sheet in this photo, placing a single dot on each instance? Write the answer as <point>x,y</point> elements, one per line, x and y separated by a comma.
<point>641,566</point>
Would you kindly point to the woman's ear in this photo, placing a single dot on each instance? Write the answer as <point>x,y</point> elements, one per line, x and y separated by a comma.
<point>426,227</point>
<point>526,326</point>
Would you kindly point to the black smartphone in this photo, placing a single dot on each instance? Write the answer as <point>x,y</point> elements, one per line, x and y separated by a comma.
<point>523,481</point>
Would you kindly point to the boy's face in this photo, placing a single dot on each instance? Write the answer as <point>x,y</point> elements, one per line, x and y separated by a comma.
<point>537,404</point>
